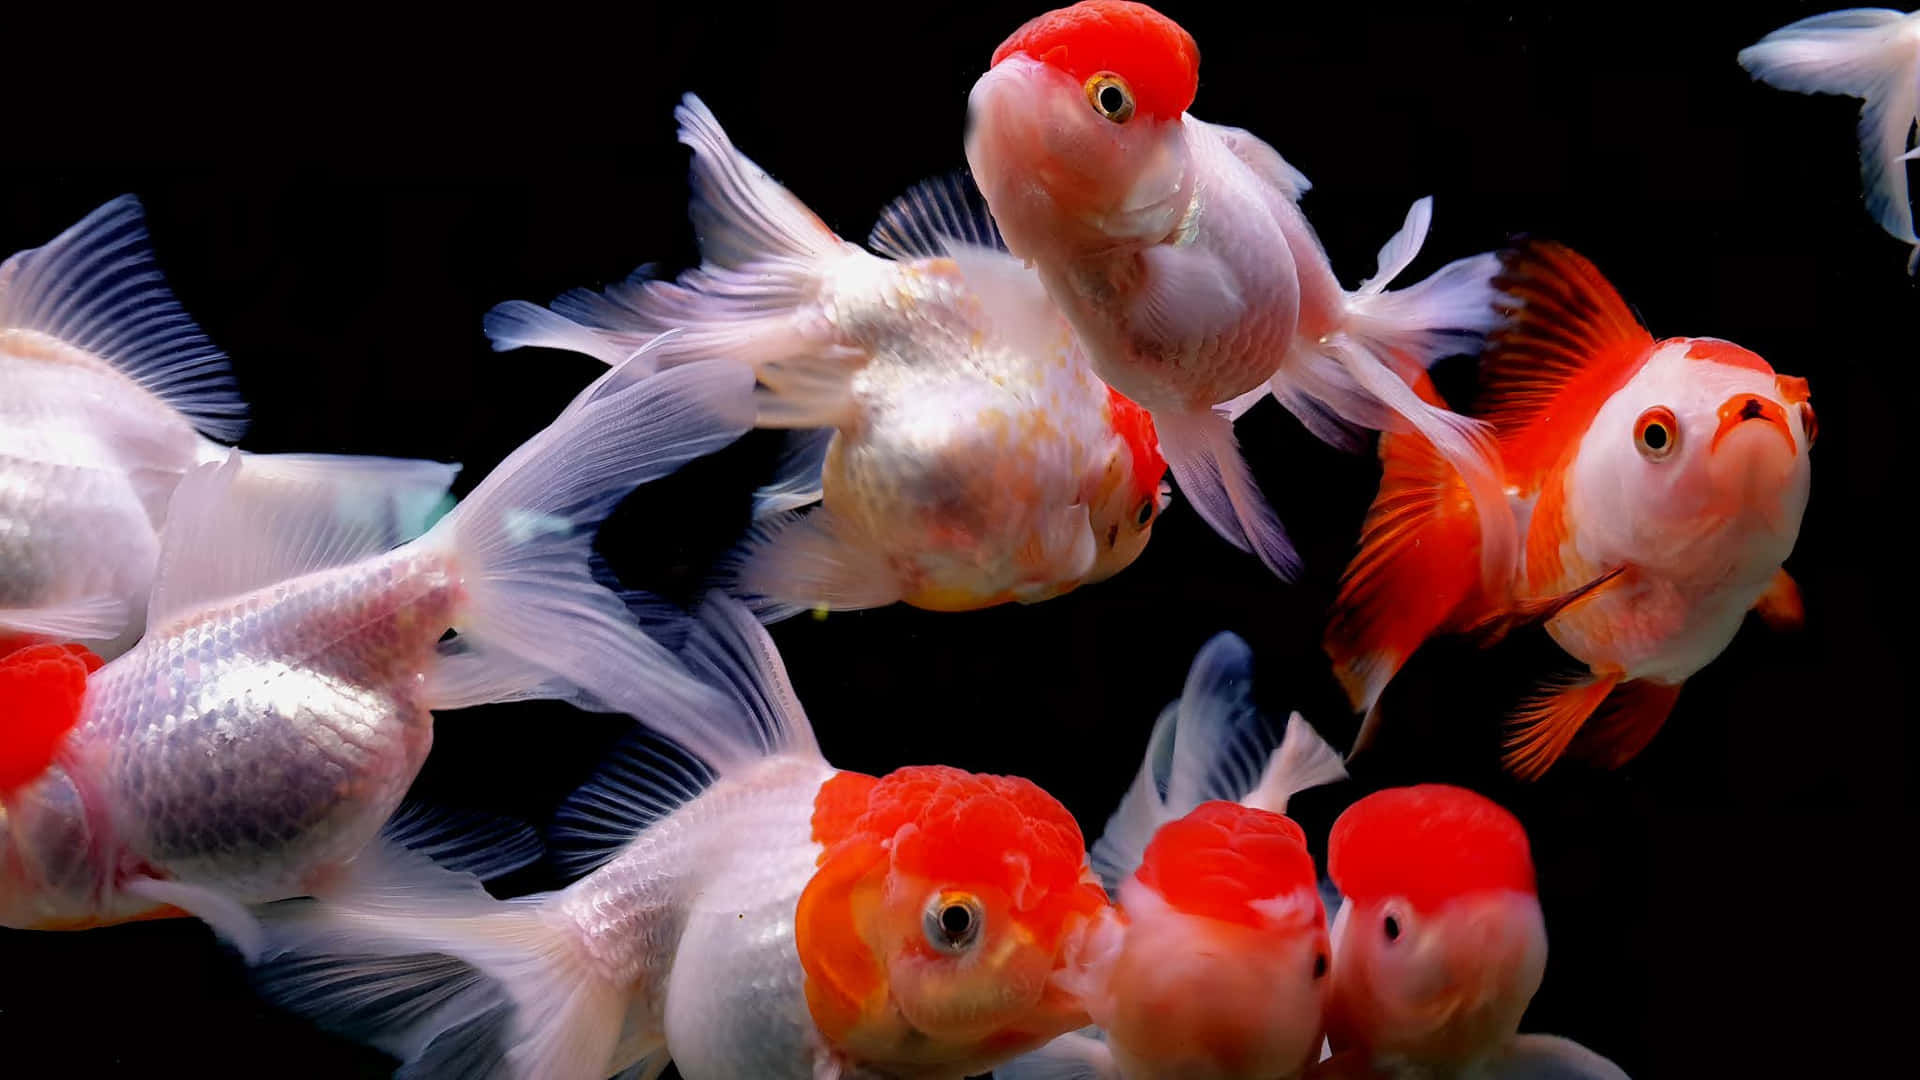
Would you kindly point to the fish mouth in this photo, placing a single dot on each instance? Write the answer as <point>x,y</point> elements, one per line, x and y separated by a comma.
<point>1742,409</point>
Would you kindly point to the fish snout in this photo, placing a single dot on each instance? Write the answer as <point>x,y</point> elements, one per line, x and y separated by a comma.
<point>1742,409</point>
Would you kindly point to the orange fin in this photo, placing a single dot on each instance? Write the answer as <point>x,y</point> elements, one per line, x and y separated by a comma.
<point>1626,723</point>
<point>1418,565</point>
<point>1567,344</point>
<point>1496,625</point>
<point>41,688</point>
<point>1780,607</point>
<point>1545,726</point>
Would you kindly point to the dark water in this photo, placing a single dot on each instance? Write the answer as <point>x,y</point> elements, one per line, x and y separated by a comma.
<point>339,199</point>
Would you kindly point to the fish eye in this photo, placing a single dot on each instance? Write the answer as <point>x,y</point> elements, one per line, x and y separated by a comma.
<point>952,923</point>
<point>1656,434</point>
<point>1807,422</point>
<point>1319,965</point>
<point>1110,96</point>
<point>1144,515</point>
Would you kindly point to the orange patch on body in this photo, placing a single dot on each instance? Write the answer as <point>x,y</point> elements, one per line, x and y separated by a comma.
<point>1156,56</point>
<point>1726,352</point>
<point>1430,844</point>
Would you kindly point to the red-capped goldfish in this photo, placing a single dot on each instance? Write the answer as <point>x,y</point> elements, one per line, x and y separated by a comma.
<point>1214,964</point>
<point>1177,251</point>
<point>1439,943</point>
<point>279,704</point>
<point>1658,486</point>
<point>790,920</point>
<point>958,466</point>
<point>1868,53</point>
<point>109,394</point>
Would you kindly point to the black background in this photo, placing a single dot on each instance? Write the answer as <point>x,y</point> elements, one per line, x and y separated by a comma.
<point>338,198</point>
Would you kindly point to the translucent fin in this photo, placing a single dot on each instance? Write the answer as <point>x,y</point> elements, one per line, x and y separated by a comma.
<point>1262,158</point>
<point>1013,298</point>
<point>642,780</point>
<point>249,522</point>
<point>518,324</point>
<point>1116,855</point>
<point>464,841</point>
<point>1546,724</point>
<point>1072,1056</point>
<point>796,479</point>
<point>98,288</point>
<point>1304,760</point>
<point>921,223</point>
<point>740,214</point>
<point>523,538</point>
<point>1550,1057</point>
<point>1865,53</point>
<point>509,993</point>
<point>229,918</point>
<point>790,563</point>
<point>1207,466</point>
<point>1220,739</point>
<point>92,618</point>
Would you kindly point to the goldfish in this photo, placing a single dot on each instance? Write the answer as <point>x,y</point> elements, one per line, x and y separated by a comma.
<point>1214,963</point>
<point>109,394</point>
<point>1868,53</point>
<point>1658,486</point>
<point>1439,943</point>
<point>1177,250</point>
<point>747,910</point>
<point>281,699</point>
<point>956,465</point>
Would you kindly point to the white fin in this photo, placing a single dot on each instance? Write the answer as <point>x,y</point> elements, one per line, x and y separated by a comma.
<point>1189,294</point>
<point>229,918</point>
<point>420,962</point>
<point>519,324</point>
<point>252,521</point>
<point>740,214</point>
<point>796,479</point>
<point>1262,158</point>
<point>1236,408</point>
<point>921,223</point>
<point>1550,1057</point>
<point>1865,53</point>
<point>98,288</point>
<point>93,618</point>
<point>1321,393</point>
<point>522,540</point>
<point>790,563</point>
<point>464,841</point>
<point>1304,760</point>
<point>1207,466</point>
<point>1072,1056</point>
<point>1013,298</point>
<point>643,779</point>
<point>1116,855</point>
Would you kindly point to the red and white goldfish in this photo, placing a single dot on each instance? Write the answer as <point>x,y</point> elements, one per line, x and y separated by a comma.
<point>959,466</point>
<point>1177,251</point>
<point>279,704</point>
<point>1658,486</point>
<point>1214,964</point>
<point>791,920</point>
<point>1868,53</point>
<point>108,394</point>
<point>1439,943</point>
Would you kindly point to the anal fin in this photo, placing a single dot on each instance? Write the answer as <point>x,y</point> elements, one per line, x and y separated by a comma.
<point>1780,607</point>
<point>1545,725</point>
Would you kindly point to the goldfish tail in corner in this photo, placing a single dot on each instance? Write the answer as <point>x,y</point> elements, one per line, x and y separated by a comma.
<point>1872,54</point>
<point>1072,1056</point>
<point>1205,460</point>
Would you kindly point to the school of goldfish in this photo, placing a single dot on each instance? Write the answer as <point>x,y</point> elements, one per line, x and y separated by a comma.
<point>219,670</point>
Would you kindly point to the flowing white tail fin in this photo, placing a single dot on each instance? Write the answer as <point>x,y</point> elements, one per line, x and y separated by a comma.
<point>1205,460</point>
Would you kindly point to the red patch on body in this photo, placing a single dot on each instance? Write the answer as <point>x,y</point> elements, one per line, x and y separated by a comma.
<point>1430,844</point>
<point>1726,352</point>
<point>41,689</point>
<point>1134,425</point>
<point>1221,858</point>
<point>1154,54</point>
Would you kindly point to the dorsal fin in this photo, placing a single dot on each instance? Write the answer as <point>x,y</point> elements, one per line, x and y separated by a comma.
<point>248,522</point>
<point>1567,343</point>
<point>97,288</point>
<point>41,691</point>
<point>919,223</point>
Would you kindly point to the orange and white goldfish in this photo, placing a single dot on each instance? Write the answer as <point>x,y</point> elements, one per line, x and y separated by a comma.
<point>1178,252</point>
<point>958,466</point>
<point>280,703</point>
<point>109,394</point>
<point>1439,944</point>
<point>1658,486</point>
<point>1868,53</point>
<point>790,920</point>
<point>1214,963</point>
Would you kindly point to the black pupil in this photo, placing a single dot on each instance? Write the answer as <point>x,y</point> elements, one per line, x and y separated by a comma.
<point>1111,99</point>
<point>956,921</point>
<point>1393,928</point>
<point>1146,511</point>
<point>1319,965</point>
<point>1656,436</point>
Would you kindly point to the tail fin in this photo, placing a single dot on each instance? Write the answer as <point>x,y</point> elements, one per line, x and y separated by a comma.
<point>535,622</point>
<point>1392,336</point>
<point>419,961</point>
<point>1416,568</point>
<point>1865,53</point>
<point>1304,760</point>
<point>1206,464</point>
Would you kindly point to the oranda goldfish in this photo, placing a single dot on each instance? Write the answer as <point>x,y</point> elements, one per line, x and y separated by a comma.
<point>1439,944</point>
<point>1214,963</point>
<point>1177,251</point>
<point>960,463</point>
<point>108,394</point>
<point>279,704</point>
<point>1658,486</point>
<point>790,920</point>
<point>1868,53</point>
